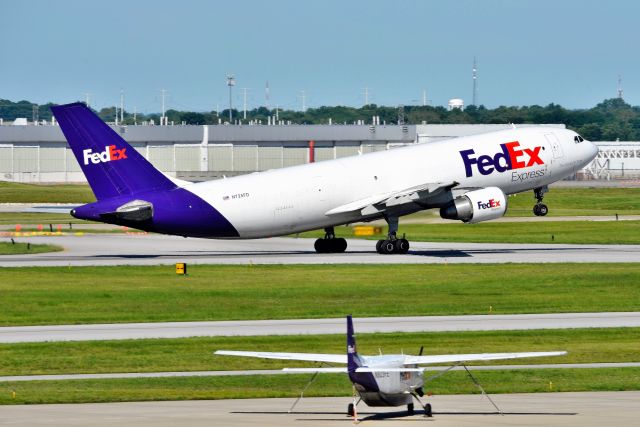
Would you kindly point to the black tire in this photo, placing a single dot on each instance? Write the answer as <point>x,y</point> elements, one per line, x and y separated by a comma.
<point>543,209</point>
<point>339,245</point>
<point>388,247</point>
<point>321,246</point>
<point>427,410</point>
<point>410,409</point>
<point>379,246</point>
<point>402,246</point>
<point>350,410</point>
<point>536,210</point>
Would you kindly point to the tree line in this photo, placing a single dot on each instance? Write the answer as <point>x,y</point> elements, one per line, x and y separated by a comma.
<point>609,120</point>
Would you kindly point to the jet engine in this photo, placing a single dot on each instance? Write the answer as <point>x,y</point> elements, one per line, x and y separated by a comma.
<point>478,205</point>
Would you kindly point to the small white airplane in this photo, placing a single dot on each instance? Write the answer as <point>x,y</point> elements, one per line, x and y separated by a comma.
<point>467,179</point>
<point>386,380</point>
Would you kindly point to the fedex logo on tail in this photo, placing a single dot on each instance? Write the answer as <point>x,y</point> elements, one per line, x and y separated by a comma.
<point>110,153</point>
<point>511,157</point>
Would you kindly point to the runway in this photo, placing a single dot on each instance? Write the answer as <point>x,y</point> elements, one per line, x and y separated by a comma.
<point>120,331</point>
<point>153,249</point>
<point>549,409</point>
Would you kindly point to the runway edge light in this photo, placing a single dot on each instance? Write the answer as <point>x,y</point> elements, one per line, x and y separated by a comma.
<point>181,268</point>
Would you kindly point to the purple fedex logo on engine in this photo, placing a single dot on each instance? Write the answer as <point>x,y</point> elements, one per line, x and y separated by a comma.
<point>110,153</point>
<point>490,204</point>
<point>510,158</point>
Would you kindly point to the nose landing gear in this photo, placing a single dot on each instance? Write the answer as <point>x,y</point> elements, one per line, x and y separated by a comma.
<point>540,209</point>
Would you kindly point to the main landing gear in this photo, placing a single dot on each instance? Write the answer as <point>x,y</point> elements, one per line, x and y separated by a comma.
<point>427,408</point>
<point>540,209</point>
<point>392,245</point>
<point>330,243</point>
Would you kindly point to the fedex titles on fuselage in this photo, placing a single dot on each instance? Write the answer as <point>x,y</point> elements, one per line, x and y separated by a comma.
<point>511,158</point>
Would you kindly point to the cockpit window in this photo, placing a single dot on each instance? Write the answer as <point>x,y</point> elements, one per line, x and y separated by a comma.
<point>578,139</point>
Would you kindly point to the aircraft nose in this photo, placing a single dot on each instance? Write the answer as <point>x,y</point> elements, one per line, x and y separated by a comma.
<point>593,150</point>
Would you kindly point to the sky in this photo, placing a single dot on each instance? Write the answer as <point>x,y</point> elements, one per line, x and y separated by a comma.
<point>568,52</point>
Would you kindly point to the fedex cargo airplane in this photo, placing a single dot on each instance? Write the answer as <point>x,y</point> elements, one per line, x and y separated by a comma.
<point>386,380</point>
<point>467,179</point>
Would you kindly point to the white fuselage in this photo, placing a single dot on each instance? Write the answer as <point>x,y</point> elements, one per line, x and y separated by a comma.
<point>295,199</point>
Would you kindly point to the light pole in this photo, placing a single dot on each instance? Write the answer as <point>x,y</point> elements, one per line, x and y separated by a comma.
<point>231,82</point>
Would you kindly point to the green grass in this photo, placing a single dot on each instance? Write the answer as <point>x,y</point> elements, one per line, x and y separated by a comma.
<point>67,295</point>
<point>195,354</point>
<point>30,218</point>
<point>12,192</point>
<point>8,248</point>
<point>580,201</point>
<point>266,386</point>
<point>567,232</point>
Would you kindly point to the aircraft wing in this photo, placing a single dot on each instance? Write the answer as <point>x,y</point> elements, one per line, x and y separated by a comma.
<point>381,202</point>
<point>461,358</point>
<point>309,357</point>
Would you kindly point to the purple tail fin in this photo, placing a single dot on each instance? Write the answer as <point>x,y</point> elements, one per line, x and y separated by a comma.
<point>353,361</point>
<point>111,165</point>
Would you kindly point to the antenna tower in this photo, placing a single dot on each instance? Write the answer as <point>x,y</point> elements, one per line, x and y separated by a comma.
<point>620,93</point>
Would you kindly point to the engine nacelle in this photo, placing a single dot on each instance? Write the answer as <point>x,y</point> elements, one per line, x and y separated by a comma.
<point>475,206</point>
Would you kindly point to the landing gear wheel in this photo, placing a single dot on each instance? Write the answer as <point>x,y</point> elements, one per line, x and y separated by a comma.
<point>321,246</point>
<point>540,209</point>
<point>340,244</point>
<point>350,410</point>
<point>388,247</point>
<point>402,246</point>
<point>379,246</point>
<point>427,410</point>
<point>410,408</point>
<point>330,243</point>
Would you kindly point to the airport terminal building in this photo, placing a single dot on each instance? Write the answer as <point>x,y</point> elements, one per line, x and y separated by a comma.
<point>40,154</point>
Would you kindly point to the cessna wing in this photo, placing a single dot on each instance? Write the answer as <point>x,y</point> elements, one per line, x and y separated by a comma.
<point>462,358</point>
<point>309,357</point>
<point>382,202</point>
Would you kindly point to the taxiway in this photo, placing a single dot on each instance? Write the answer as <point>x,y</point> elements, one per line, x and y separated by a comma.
<point>153,249</point>
<point>548,409</point>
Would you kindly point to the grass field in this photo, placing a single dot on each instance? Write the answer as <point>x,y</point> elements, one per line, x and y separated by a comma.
<point>12,192</point>
<point>263,386</point>
<point>31,218</point>
<point>61,295</point>
<point>195,354</point>
<point>580,201</point>
<point>8,248</point>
